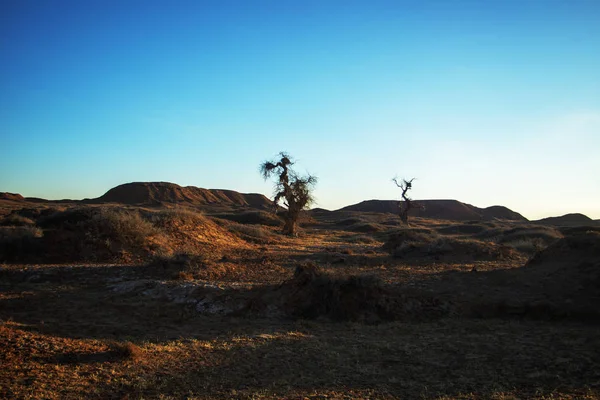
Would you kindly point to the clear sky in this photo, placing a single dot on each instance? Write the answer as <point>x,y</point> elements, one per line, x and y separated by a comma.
<point>486,102</point>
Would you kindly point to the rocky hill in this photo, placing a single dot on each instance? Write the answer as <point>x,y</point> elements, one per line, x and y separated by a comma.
<point>153,193</point>
<point>574,219</point>
<point>440,209</point>
<point>11,196</point>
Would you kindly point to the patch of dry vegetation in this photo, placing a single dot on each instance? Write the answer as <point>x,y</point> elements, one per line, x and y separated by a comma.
<point>419,242</point>
<point>252,218</point>
<point>113,234</point>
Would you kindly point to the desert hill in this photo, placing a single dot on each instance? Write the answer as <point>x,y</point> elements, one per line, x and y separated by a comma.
<point>155,193</point>
<point>11,196</point>
<point>164,192</point>
<point>574,219</point>
<point>440,209</point>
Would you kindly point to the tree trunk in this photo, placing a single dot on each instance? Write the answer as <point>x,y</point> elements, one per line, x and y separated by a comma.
<point>290,227</point>
<point>404,216</point>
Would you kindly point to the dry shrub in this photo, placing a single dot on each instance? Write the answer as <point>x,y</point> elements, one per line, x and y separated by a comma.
<point>126,227</point>
<point>98,234</point>
<point>125,351</point>
<point>185,276</point>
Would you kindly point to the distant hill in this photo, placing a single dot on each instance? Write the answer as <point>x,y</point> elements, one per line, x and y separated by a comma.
<point>11,196</point>
<point>149,193</point>
<point>574,219</point>
<point>440,209</point>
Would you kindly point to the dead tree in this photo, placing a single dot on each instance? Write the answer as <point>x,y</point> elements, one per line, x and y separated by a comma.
<point>294,190</point>
<point>406,203</point>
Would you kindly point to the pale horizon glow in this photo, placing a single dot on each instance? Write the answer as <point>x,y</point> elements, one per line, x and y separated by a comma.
<point>491,103</point>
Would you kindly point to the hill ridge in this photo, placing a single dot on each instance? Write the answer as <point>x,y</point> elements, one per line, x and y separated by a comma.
<point>167,192</point>
<point>439,209</point>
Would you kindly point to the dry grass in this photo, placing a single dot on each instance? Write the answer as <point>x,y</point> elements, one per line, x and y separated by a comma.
<point>252,218</point>
<point>16,220</point>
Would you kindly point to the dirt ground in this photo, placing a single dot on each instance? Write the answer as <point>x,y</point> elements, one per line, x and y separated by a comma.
<point>463,326</point>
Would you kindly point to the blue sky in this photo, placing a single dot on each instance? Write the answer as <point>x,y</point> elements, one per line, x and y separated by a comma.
<point>494,102</point>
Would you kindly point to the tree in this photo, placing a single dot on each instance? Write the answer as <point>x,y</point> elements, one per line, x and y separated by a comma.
<point>406,204</point>
<point>293,189</point>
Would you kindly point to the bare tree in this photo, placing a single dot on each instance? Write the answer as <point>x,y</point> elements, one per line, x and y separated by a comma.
<point>294,190</point>
<point>406,203</point>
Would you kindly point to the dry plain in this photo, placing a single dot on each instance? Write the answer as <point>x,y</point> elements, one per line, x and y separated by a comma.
<point>171,302</point>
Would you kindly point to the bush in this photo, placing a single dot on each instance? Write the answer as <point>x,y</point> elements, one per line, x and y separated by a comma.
<point>126,227</point>
<point>125,351</point>
<point>97,234</point>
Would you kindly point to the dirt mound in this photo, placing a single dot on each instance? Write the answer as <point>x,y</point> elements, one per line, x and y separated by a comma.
<point>113,234</point>
<point>189,231</point>
<point>575,219</point>
<point>153,193</point>
<point>576,248</point>
<point>424,243</point>
<point>439,209</point>
<point>561,281</point>
<point>311,293</point>
<point>11,196</point>
<point>501,212</point>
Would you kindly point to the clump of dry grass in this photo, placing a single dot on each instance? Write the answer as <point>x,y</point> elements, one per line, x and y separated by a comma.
<point>178,216</point>
<point>126,351</point>
<point>98,234</point>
